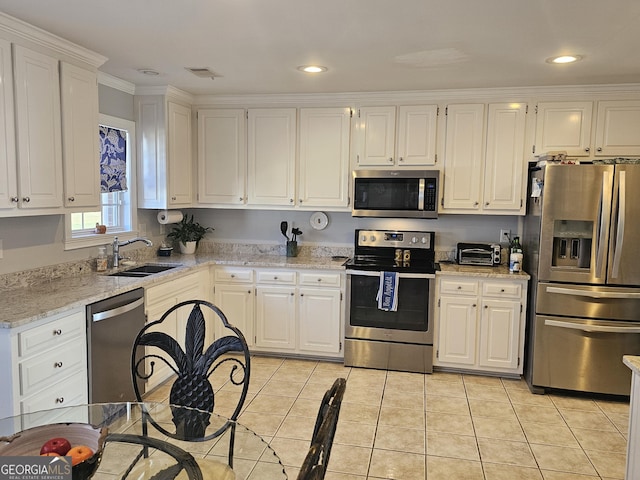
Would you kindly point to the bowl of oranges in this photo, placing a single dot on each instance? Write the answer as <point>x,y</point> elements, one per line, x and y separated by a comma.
<point>81,442</point>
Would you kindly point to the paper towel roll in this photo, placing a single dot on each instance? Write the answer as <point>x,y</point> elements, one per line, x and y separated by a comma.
<point>169,216</point>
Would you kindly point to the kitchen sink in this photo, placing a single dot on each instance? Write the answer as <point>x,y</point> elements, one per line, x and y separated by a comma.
<point>143,270</point>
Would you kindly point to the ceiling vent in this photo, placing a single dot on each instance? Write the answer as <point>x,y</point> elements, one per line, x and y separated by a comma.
<point>202,72</point>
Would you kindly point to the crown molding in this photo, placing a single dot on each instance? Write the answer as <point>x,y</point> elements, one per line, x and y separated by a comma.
<point>23,30</point>
<point>166,90</point>
<point>116,83</point>
<point>433,96</point>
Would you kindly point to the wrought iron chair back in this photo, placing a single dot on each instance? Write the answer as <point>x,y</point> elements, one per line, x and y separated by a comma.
<point>315,463</point>
<point>192,367</point>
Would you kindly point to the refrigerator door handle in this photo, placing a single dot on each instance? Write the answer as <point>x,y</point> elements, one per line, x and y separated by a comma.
<point>617,253</point>
<point>605,206</point>
<point>591,328</point>
<point>592,293</point>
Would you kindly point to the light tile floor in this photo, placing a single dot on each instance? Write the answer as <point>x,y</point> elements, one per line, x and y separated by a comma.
<point>407,426</point>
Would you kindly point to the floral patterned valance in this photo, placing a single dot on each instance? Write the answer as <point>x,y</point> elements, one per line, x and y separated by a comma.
<point>113,160</point>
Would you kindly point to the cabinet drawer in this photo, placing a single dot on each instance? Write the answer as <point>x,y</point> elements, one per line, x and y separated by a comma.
<point>276,277</point>
<point>320,279</point>
<point>41,370</point>
<point>459,287</point>
<point>233,275</point>
<point>51,334</point>
<point>499,289</point>
<point>71,391</point>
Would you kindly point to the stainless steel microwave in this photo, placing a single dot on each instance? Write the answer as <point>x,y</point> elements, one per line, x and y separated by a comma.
<point>395,193</point>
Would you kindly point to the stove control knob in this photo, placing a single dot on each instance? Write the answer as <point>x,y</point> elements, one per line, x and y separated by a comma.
<point>424,240</point>
<point>414,240</point>
<point>372,238</point>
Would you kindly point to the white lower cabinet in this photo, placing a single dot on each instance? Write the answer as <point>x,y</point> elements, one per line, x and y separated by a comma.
<point>283,310</point>
<point>46,365</point>
<point>159,299</point>
<point>480,324</point>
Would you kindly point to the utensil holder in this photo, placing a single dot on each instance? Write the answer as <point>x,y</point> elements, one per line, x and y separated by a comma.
<point>292,248</point>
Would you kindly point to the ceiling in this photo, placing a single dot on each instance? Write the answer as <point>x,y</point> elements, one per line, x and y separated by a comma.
<point>254,46</point>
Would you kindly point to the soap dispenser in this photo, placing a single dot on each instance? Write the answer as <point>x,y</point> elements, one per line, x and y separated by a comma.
<point>101,261</point>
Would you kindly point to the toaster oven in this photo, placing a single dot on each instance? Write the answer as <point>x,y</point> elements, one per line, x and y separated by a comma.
<point>483,254</point>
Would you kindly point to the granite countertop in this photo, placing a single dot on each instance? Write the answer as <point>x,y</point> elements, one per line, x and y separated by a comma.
<point>501,271</point>
<point>633,362</point>
<point>24,305</point>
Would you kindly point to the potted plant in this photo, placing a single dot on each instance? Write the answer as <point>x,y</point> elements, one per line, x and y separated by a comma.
<point>188,233</point>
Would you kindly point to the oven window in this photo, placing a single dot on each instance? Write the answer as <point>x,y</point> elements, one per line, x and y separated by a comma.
<point>413,304</point>
<point>386,193</point>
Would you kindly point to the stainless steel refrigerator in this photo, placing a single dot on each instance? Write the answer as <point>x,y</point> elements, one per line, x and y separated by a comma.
<point>582,249</point>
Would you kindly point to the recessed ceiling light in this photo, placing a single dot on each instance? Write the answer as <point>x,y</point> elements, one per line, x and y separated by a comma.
<point>564,59</point>
<point>312,68</point>
<point>149,71</point>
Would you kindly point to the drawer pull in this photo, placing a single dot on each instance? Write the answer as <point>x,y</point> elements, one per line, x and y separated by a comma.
<point>60,400</point>
<point>58,365</point>
<point>57,332</point>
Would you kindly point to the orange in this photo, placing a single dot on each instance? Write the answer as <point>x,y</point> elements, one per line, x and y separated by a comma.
<point>79,454</point>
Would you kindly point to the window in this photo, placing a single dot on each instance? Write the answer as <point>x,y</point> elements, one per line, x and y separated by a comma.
<point>117,209</point>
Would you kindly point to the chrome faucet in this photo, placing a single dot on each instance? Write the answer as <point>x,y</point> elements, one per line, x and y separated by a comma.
<point>117,245</point>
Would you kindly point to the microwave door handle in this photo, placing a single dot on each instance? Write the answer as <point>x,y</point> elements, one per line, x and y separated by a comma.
<point>622,194</point>
<point>604,207</point>
<point>421,194</point>
<point>591,328</point>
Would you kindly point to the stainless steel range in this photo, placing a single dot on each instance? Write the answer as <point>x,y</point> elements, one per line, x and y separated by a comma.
<point>397,335</point>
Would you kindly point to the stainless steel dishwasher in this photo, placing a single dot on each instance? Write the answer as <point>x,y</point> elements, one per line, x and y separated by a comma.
<point>112,326</point>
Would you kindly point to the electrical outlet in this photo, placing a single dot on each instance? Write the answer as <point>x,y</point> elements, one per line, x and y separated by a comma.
<point>505,235</point>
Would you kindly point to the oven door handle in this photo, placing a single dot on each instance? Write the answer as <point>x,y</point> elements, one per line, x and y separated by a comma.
<point>376,273</point>
<point>591,328</point>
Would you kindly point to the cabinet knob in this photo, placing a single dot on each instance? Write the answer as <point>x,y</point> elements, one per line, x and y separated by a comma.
<point>57,332</point>
<point>502,290</point>
<point>233,275</point>
<point>599,149</point>
<point>249,292</point>
<point>26,199</point>
<point>391,159</point>
<point>72,199</point>
<point>302,294</point>
<point>401,159</point>
<point>58,365</point>
<point>299,200</point>
<point>60,400</point>
<point>587,149</point>
<point>486,306</point>
<point>486,204</point>
<point>275,278</point>
<point>14,199</point>
<point>459,287</point>
<point>475,204</point>
<point>291,200</point>
<point>173,198</point>
<point>292,294</point>
<point>474,305</point>
<point>241,199</point>
<point>319,279</point>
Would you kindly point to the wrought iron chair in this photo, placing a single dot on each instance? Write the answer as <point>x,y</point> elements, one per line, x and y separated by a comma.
<point>315,463</point>
<point>193,366</point>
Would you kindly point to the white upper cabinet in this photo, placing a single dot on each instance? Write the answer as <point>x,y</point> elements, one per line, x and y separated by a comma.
<point>464,156</point>
<point>38,125</point>
<point>564,126</point>
<point>567,126</point>
<point>164,152</point>
<point>324,157</point>
<point>504,187</point>
<point>383,142</point>
<point>222,157</point>
<point>271,156</point>
<point>8,178</point>
<point>484,164</point>
<point>618,129</point>
<point>81,158</point>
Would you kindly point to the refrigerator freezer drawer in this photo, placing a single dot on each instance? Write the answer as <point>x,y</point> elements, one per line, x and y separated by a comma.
<point>584,355</point>
<point>586,301</point>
